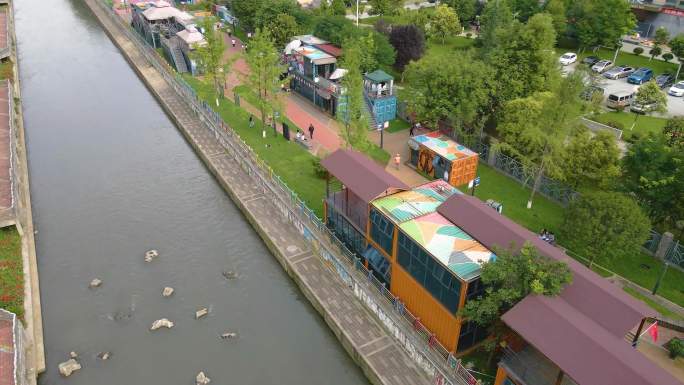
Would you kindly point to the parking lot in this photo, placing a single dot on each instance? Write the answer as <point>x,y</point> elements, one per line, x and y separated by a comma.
<point>675,105</point>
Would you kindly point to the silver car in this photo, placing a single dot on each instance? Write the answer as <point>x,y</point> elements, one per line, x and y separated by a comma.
<point>618,72</point>
<point>601,66</point>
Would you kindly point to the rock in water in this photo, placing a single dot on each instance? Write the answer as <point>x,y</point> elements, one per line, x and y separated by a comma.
<point>161,323</point>
<point>73,355</point>
<point>95,283</point>
<point>150,255</point>
<point>167,291</point>
<point>228,335</point>
<point>201,313</point>
<point>202,379</point>
<point>229,274</point>
<point>68,367</point>
<point>104,356</point>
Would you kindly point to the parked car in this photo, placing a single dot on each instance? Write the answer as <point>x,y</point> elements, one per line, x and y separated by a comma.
<point>592,92</point>
<point>618,72</point>
<point>644,108</point>
<point>601,66</point>
<point>568,58</point>
<point>591,60</point>
<point>620,99</point>
<point>640,76</point>
<point>664,80</point>
<point>677,89</point>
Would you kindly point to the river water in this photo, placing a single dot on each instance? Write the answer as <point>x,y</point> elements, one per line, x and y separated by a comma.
<point>111,177</point>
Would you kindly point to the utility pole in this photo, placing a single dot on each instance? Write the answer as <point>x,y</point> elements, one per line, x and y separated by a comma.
<point>357,13</point>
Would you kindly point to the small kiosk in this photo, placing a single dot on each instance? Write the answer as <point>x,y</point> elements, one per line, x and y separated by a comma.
<point>442,158</point>
<point>378,88</point>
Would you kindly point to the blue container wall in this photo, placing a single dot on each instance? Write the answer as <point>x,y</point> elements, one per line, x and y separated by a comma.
<point>385,109</point>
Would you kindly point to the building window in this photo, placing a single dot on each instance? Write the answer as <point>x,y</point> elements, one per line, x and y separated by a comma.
<point>470,334</point>
<point>346,232</point>
<point>434,277</point>
<point>381,231</point>
<point>475,289</point>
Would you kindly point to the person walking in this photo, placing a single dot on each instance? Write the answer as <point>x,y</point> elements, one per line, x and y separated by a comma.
<point>233,42</point>
<point>413,127</point>
<point>311,130</point>
<point>397,161</point>
<point>251,121</point>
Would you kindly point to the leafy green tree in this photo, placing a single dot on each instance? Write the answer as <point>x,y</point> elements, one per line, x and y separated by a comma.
<point>444,22</point>
<point>524,9</point>
<point>654,173</point>
<point>210,56</point>
<point>265,69</point>
<point>535,130</point>
<point>662,36</point>
<point>282,29</point>
<point>655,51</point>
<point>591,160</point>
<point>420,18</point>
<point>674,132</point>
<point>338,30</point>
<point>650,95</point>
<point>456,89</point>
<point>385,55</point>
<point>667,56</point>
<point>556,9</point>
<point>638,51</point>
<point>385,7</point>
<point>465,9</point>
<point>337,7</point>
<point>354,116</point>
<point>607,225</point>
<point>508,280</point>
<point>496,16</point>
<point>524,58</point>
<point>603,22</point>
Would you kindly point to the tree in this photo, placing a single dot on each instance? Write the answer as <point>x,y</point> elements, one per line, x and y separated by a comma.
<point>654,173</point>
<point>604,224</point>
<point>210,56</point>
<point>638,51</point>
<point>457,89</point>
<point>409,43</point>
<point>650,95</point>
<point>465,9</point>
<point>535,130</point>
<point>655,51</point>
<point>524,9</point>
<point>337,7</point>
<point>667,56</point>
<point>508,280</point>
<point>385,7</point>
<point>444,22</point>
<point>662,36</point>
<point>282,29</point>
<point>265,69</point>
<point>385,54</point>
<point>556,9</point>
<point>603,22</point>
<point>591,160</point>
<point>354,116</point>
<point>338,30</point>
<point>674,132</point>
<point>523,57</point>
<point>496,16</point>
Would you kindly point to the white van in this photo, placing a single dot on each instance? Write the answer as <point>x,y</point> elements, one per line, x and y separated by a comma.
<point>620,99</point>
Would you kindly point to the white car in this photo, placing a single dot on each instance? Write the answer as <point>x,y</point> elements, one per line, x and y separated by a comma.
<point>568,58</point>
<point>677,89</point>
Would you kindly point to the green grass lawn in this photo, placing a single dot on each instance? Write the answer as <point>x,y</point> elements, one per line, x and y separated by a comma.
<point>644,123</point>
<point>11,272</point>
<point>655,305</point>
<point>397,125</point>
<point>495,185</point>
<point>479,359</point>
<point>630,59</point>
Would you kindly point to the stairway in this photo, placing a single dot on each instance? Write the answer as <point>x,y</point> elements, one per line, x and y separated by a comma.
<point>173,49</point>
<point>373,125</point>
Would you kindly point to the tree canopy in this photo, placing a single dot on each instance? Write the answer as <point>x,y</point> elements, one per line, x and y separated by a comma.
<point>591,160</point>
<point>354,114</point>
<point>385,7</point>
<point>604,224</point>
<point>283,28</point>
<point>444,22</point>
<point>602,22</point>
<point>409,43</point>
<point>556,9</point>
<point>338,30</point>
<point>674,132</point>
<point>465,9</point>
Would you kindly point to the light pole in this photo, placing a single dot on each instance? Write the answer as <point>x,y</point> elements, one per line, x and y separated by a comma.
<point>357,13</point>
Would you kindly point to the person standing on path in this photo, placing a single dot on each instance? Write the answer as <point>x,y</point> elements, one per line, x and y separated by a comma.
<point>311,130</point>
<point>233,42</point>
<point>397,160</point>
<point>251,121</point>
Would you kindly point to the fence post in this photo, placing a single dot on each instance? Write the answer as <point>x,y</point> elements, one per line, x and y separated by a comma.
<point>661,253</point>
<point>491,156</point>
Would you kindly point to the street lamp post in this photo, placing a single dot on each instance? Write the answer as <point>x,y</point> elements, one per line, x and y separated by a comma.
<point>357,13</point>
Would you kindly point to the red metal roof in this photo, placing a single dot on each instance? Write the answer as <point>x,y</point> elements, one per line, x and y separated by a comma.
<point>330,49</point>
<point>361,175</point>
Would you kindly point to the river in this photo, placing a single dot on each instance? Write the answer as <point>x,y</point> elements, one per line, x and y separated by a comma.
<point>111,177</point>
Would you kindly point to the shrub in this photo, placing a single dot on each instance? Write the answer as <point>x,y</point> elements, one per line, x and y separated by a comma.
<point>676,348</point>
<point>638,50</point>
<point>668,56</point>
<point>615,124</point>
<point>319,170</point>
<point>469,35</point>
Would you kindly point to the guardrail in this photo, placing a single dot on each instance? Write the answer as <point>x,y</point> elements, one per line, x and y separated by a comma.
<point>595,126</point>
<point>415,338</point>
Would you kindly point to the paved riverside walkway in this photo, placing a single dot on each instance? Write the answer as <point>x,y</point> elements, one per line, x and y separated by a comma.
<point>372,347</point>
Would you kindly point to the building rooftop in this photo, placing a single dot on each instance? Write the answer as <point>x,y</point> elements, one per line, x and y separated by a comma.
<point>444,146</point>
<point>415,211</point>
<point>379,76</point>
<point>331,49</point>
<point>314,54</point>
<point>162,10</point>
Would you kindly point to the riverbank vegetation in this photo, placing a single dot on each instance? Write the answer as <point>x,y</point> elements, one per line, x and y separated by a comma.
<point>11,272</point>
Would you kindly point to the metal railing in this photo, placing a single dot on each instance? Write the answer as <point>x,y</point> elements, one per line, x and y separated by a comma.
<point>19,362</point>
<point>420,344</point>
